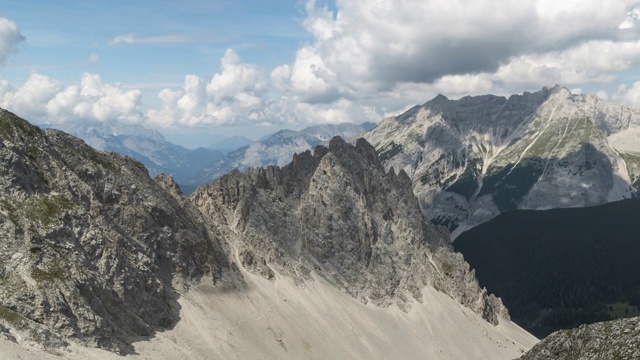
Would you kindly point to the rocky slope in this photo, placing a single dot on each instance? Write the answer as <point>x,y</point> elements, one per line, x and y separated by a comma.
<point>145,145</point>
<point>277,149</point>
<point>328,257</point>
<point>474,158</point>
<point>337,213</point>
<point>612,340</point>
<point>91,248</point>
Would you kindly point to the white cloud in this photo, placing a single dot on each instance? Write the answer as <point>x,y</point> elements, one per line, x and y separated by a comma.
<point>94,58</point>
<point>161,39</point>
<point>632,18</point>
<point>43,99</point>
<point>10,38</point>
<point>235,95</point>
<point>628,95</point>
<point>31,98</point>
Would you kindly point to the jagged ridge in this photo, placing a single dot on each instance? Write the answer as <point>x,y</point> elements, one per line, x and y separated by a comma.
<point>336,212</point>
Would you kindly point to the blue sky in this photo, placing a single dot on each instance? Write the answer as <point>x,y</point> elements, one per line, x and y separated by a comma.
<point>193,68</point>
<point>160,41</point>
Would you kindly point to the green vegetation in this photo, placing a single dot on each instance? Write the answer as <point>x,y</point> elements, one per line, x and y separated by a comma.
<point>54,271</point>
<point>467,184</point>
<point>550,138</point>
<point>387,152</point>
<point>45,209</point>
<point>560,268</point>
<point>10,316</point>
<point>12,126</point>
<point>510,184</point>
<point>622,309</point>
<point>100,159</point>
<point>9,210</point>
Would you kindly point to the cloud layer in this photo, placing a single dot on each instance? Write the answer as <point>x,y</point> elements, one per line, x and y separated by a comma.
<point>368,60</point>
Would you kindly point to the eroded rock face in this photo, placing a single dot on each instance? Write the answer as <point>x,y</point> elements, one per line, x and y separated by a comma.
<point>338,213</point>
<point>91,248</point>
<point>610,340</point>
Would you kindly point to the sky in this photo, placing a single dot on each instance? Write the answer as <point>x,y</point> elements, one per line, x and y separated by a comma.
<point>250,67</point>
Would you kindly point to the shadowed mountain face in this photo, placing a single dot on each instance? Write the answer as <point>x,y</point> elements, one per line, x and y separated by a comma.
<point>474,158</point>
<point>560,268</point>
<point>90,245</point>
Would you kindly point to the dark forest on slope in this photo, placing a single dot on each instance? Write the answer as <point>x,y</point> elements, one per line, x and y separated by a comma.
<point>560,268</point>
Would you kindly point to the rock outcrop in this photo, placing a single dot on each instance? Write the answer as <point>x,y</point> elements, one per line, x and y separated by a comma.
<point>91,248</point>
<point>610,340</point>
<point>337,213</point>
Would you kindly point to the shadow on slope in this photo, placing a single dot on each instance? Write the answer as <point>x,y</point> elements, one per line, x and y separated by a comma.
<point>582,178</point>
<point>560,268</point>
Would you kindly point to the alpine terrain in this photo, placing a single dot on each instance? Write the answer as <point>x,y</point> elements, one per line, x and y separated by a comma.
<point>474,158</point>
<point>327,257</point>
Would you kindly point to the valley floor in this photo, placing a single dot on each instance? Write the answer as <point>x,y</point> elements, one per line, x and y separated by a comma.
<point>279,320</point>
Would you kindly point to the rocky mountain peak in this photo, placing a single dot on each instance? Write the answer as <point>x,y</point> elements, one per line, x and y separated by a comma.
<point>473,158</point>
<point>337,214</point>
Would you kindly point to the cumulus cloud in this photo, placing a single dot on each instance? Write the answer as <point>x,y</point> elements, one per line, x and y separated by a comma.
<point>235,95</point>
<point>366,48</point>
<point>10,38</point>
<point>43,99</point>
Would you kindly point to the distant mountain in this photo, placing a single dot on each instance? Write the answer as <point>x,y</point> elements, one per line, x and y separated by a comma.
<point>474,158</point>
<point>560,268</point>
<point>145,145</point>
<point>231,143</point>
<point>277,149</point>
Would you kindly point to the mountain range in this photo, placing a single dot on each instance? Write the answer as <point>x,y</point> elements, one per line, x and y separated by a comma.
<point>326,257</point>
<point>304,245</point>
<point>147,146</point>
<point>277,149</point>
<point>474,158</point>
